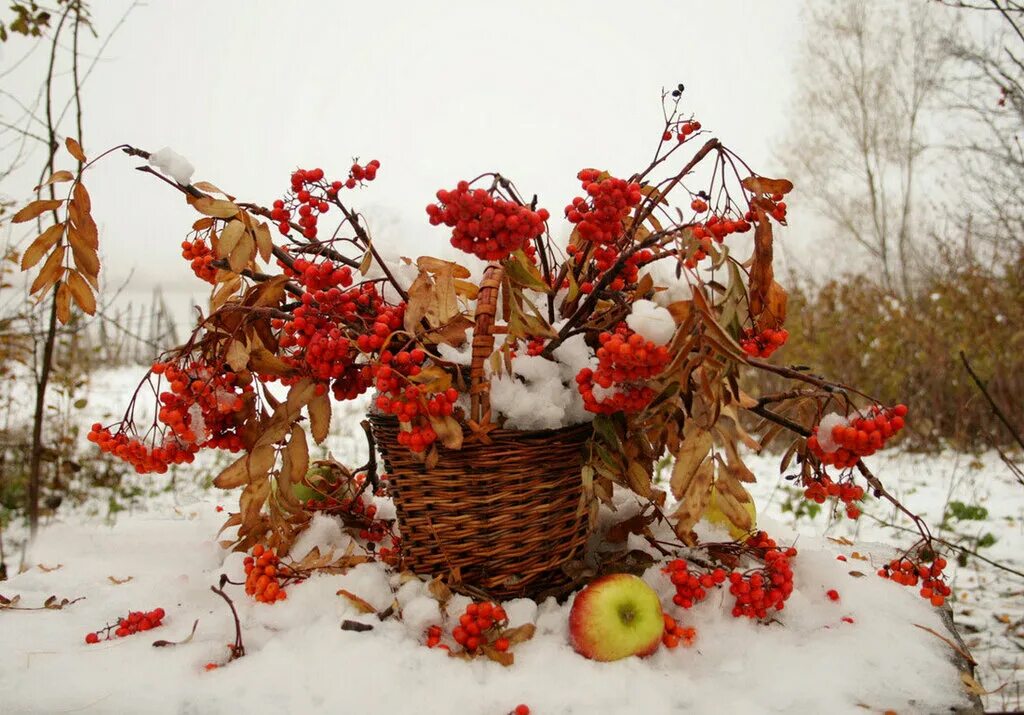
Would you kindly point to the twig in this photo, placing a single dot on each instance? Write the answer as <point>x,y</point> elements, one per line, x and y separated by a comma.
<point>951,545</point>
<point>992,403</point>
<point>964,654</point>
<point>238,649</point>
<point>164,644</point>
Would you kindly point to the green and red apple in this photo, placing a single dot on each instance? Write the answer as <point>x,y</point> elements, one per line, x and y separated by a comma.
<point>616,616</point>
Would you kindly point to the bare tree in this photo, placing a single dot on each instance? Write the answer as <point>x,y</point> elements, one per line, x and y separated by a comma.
<point>987,99</point>
<point>871,73</point>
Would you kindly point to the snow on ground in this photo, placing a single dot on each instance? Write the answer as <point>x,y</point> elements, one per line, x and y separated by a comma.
<point>299,660</point>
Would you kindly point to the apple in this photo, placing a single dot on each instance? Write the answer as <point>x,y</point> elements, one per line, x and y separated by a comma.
<point>616,616</point>
<point>713,514</point>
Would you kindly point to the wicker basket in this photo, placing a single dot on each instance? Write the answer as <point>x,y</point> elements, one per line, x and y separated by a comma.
<point>504,514</point>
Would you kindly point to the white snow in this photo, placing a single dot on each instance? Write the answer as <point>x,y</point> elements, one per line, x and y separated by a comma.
<point>651,321</point>
<point>825,427</point>
<point>542,393</point>
<point>299,660</point>
<point>173,164</point>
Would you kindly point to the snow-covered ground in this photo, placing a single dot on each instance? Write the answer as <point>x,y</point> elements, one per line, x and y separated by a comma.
<point>300,660</point>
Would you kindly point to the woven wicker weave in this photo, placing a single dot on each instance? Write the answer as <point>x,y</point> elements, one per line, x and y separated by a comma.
<point>503,514</point>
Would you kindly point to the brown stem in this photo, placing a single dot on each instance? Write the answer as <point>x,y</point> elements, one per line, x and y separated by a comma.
<point>35,458</point>
<point>238,648</point>
<point>992,403</point>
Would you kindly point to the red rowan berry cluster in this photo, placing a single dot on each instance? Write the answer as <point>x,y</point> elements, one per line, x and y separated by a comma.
<point>602,259</point>
<point>201,256</point>
<point>766,588</point>
<point>683,131</point>
<point>311,194</point>
<point>931,578</point>
<point>481,624</point>
<point>691,587</point>
<point>699,205</point>
<point>762,344</point>
<point>132,450</point>
<point>843,441</point>
<point>488,227</point>
<point>756,591</point>
<point>600,218</point>
<point>520,710</point>
<point>198,411</point>
<point>625,359</point>
<point>410,403</point>
<point>134,622</point>
<point>334,324</point>
<point>718,227</point>
<point>821,487</point>
<point>262,576</point>
<point>675,634</point>
<point>200,405</point>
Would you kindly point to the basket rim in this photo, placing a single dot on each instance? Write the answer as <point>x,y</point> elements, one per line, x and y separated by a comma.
<point>376,415</point>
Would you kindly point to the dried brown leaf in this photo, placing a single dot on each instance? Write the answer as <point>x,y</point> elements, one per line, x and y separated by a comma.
<point>320,417</point>
<point>41,245</point>
<point>694,450</point>
<point>298,454</point>
<point>218,208</point>
<point>35,209</point>
<point>75,149</point>
<point>360,604</point>
<point>51,271</point>
<point>81,292</point>
<point>81,197</point>
<point>229,238</point>
<point>764,185</point>
<point>58,177</point>
<point>246,468</point>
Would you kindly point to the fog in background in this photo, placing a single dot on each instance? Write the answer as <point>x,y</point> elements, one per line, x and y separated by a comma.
<point>248,91</point>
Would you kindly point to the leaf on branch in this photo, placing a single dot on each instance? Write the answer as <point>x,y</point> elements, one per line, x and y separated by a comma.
<point>51,271</point>
<point>298,454</point>
<point>246,468</point>
<point>84,225</point>
<point>229,238</point>
<point>766,296</point>
<point>693,499</point>
<point>264,242</point>
<point>218,208</point>
<point>211,188</point>
<point>75,149</point>
<point>319,417</point>
<point>693,452</point>
<point>366,262</point>
<point>242,253</point>
<point>41,245</point>
<point>764,185</point>
<point>81,197</point>
<point>730,497</point>
<point>448,431</point>
<point>238,355</point>
<point>35,209</point>
<point>224,291</point>
<point>432,298</point>
<point>81,292</point>
<point>524,273</point>
<point>57,178</point>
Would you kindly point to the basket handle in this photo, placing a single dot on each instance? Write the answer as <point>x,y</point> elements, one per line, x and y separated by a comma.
<point>483,343</point>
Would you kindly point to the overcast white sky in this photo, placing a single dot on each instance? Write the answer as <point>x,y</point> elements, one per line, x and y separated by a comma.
<point>248,90</point>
